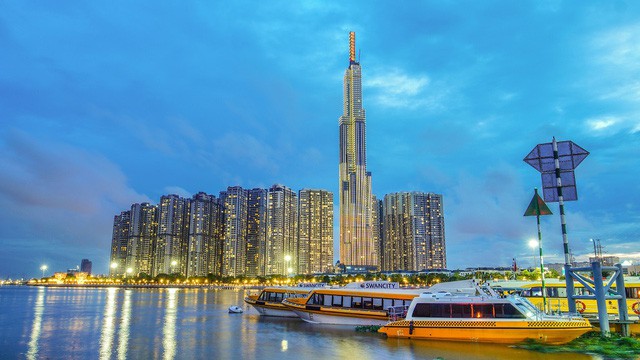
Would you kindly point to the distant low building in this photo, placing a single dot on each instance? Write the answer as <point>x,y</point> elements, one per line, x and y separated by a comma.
<point>85,266</point>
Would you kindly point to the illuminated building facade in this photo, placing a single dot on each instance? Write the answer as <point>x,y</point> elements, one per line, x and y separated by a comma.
<point>235,231</point>
<point>142,236</point>
<point>315,229</point>
<point>204,235</point>
<point>119,243</point>
<point>413,232</point>
<point>357,245</point>
<point>173,231</point>
<point>256,232</point>
<point>282,226</point>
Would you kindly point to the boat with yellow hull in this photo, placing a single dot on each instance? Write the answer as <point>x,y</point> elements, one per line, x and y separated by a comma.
<point>510,320</point>
<point>269,301</point>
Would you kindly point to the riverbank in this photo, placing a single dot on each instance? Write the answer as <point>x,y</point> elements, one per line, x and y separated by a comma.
<point>151,286</point>
<point>615,346</point>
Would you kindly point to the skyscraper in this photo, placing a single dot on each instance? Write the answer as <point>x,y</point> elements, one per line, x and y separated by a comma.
<point>173,230</point>
<point>142,236</point>
<point>282,226</point>
<point>356,233</point>
<point>315,249</point>
<point>204,235</point>
<point>120,243</point>
<point>413,232</point>
<point>256,232</point>
<point>234,250</point>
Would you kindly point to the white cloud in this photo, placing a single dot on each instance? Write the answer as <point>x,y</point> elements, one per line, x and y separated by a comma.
<point>602,123</point>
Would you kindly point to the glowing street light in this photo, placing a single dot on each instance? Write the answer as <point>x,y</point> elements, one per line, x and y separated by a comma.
<point>129,271</point>
<point>533,244</point>
<point>287,263</point>
<point>43,268</point>
<point>173,265</point>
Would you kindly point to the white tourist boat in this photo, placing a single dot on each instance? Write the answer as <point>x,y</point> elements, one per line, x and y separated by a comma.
<point>359,303</point>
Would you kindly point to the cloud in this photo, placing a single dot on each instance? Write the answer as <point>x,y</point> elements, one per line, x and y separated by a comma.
<point>57,194</point>
<point>602,123</point>
<point>178,191</point>
<point>394,88</point>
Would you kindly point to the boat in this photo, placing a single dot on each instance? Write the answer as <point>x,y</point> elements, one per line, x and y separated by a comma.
<point>358,303</point>
<point>483,318</point>
<point>235,310</point>
<point>269,301</point>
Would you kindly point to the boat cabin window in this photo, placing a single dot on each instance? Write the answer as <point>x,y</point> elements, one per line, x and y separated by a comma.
<point>377,304</point>
<point>367,303</point>
<point>346,301</point>
<point>466,311</point>
<point>387,303</point>
<point>356,302</point>
<point>271,296</point>
<point>328,300</point>
<point>316,299</point>
<point>632,292</point>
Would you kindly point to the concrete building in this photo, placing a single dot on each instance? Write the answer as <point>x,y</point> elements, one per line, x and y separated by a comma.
<point>282,227</point>
<point>315,224</point>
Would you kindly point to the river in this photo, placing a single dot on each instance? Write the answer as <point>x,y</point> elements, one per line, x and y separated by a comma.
<point>115,323</point>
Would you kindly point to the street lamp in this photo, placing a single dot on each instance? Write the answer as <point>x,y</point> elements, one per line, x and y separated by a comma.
<point>173,265</point>
<point>114,266</point>
<point>287,263</point>
<point>43,268</point>
<point>533,244</point>
<point>129,271</point>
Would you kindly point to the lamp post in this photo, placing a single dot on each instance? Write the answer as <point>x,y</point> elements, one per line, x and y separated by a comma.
<point>287,264</point>
<point>129,271</point>
<point>114,266</point>
<point>533,244</point>
<point>173,265</point>
<point>43,268</point>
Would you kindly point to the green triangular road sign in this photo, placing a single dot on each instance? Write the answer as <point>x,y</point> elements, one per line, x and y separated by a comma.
<point>537,206</point>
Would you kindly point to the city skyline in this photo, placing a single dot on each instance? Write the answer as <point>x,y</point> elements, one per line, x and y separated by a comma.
<point>104,106</point>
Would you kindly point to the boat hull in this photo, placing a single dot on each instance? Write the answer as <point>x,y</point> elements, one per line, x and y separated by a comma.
<point>274,311</point>
<point>323,317</point>
<point>505,332</point>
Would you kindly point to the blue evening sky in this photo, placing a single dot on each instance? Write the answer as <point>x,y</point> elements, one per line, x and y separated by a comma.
<point>106,103</point>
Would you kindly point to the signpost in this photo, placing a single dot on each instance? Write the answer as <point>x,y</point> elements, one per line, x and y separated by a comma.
<point>559,159</point>
<point>538,207</point>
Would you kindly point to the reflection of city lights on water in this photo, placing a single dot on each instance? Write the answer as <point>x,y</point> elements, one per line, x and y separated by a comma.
<point>36,327</point>
<point>284,345</point>
<point>108,326</point>
<point>169,330</point>
<point>123,337</point>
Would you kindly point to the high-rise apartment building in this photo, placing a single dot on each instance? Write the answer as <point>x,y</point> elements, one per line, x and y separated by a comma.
<point>413,232</point>
<point>282,226</point>
<point>204,235</point>
<point>142,236</point>
<point>256,232</point>
<point>315,229</point>
<point>119,243</point>
<point>357,245</point>
<point>234,247</point>
<point>173,231</point>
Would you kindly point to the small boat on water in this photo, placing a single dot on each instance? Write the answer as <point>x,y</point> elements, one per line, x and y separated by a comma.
<point>269,301</point>
<point>483,318</point>
<point>235,310</point>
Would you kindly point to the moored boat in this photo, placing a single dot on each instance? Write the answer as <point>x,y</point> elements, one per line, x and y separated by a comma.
<point>512,319</point>
<point>361,303</point>
<point>269,301</point>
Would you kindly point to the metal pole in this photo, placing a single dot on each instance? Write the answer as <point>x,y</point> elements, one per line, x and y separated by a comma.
<point>600,298</point>
<point>623,312</point>
<point>544,291</point>
<point>565,241</point>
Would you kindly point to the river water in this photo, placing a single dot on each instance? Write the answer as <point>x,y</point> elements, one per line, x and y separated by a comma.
<point>83,323</point>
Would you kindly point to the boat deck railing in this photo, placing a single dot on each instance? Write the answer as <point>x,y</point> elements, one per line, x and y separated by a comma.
<point>397,312</point>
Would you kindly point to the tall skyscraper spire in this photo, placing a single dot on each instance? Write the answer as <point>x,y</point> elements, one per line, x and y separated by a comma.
<point>356,233</point>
